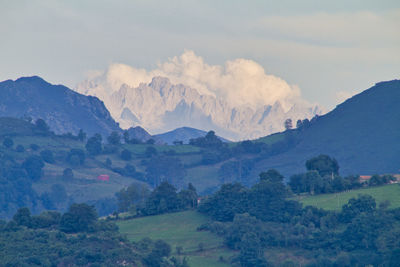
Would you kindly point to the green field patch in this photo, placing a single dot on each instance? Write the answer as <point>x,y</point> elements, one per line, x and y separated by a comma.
<point>335,201</point>
<point>202,248</point>
<point>140,149</point>
<point>271,139</point>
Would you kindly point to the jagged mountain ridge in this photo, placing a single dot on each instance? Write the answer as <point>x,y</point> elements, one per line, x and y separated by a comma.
<point>161,106</point>
<point>63,109</point>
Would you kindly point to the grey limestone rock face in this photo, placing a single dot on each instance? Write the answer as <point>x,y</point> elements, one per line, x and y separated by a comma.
<point>161,106</point>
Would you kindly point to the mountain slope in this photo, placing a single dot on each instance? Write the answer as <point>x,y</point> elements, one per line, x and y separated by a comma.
<point>362,133</point>
<point>63,109</point>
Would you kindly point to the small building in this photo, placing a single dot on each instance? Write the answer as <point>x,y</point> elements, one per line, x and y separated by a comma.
<point>103,177</point>
<point>364,178</point>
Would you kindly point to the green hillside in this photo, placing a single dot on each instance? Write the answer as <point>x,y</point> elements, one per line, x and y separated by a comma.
<point>335,201</point>
<point>179,229</point>
<point>362,133</point>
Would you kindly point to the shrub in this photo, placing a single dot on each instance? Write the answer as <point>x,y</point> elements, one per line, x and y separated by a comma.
<point>20,148</point>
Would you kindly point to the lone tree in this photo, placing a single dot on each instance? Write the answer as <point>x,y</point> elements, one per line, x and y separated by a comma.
<point>288,124</point>
<point>114,138</point>
<point>93,145</point>
<point>42,126</point>
<point>324,165</point>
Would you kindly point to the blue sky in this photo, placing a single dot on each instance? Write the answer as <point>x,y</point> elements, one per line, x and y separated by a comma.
<point>329,49</point>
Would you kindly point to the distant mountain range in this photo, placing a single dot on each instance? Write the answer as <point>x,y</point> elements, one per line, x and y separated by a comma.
<point>362,133</point>
<point>161,106</point>
<point>63,109</point>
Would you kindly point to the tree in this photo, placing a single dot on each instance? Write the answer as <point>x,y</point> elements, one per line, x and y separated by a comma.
<point>133,195</point>
<point>8,142</point>
<point>164,168</point>
<point>33,166</point>
<point>76,157</point>
<point>163,199</point>
<point>126,137</point>
<point>229,200</point>
<point>114,138</point>
<point>271,175</point>
<point>34,147</point>
<point>188,197</point>
<point>42,126</point>
<point>324,165</point>
<point>299,124</point>
<point>20,148</point>
<point>288,124</point>
<point>151,141</point>
<point>355,206</point>
<point>23,217</point>
<point>210,140</point>
<point>81,135</point>
<point>126,154</point>
<point>93,145</point>
<point>78,218</point>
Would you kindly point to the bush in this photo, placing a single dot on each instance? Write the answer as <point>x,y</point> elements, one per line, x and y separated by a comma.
<point>76,157</point>
<point>20,148</point>
<point>34,147</point>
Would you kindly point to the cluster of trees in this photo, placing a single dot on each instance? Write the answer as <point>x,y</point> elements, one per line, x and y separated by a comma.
<point>256,219</point>
<point>138,200</point>
<point>322,176</point>
<point>210,141</point>
<point>76,238</point>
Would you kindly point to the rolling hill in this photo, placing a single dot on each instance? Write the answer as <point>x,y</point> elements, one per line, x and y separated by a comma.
<point>362,134</point>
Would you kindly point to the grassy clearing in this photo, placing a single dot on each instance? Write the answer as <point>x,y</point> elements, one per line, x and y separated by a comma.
<point>335,201</point>
<point>270,139</point>
<point>140,149</point>
<point>179,229</point>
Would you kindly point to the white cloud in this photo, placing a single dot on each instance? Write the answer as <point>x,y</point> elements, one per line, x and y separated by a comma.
<point>239,82</point>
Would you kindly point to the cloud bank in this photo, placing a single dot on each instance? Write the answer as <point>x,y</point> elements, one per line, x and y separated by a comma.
<point>240,82</point>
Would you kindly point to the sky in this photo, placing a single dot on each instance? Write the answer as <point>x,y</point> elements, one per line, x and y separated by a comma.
<point>330,50</point>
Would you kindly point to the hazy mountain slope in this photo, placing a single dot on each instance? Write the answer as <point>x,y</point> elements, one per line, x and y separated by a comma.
<point>161,106</point>
<point>63,109</point>
<point>362,133</point>
<point>183,134</point>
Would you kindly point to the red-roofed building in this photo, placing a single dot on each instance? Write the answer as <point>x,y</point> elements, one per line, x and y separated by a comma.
<point>103,177</point>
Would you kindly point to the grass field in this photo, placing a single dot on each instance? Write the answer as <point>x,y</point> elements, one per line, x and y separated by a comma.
<point>179,229</point>
<point>337,200</point>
